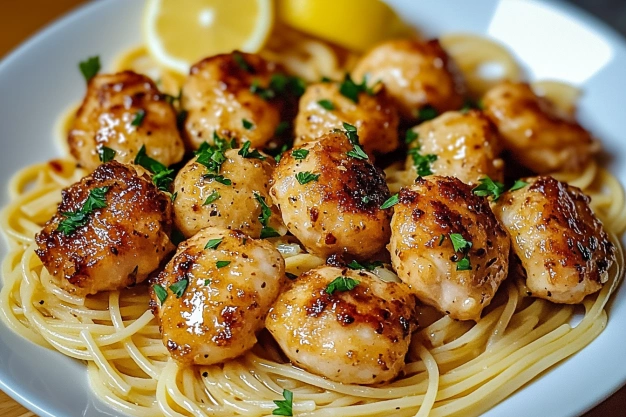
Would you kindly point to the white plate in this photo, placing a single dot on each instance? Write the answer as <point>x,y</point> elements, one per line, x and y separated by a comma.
<point>40,80</point>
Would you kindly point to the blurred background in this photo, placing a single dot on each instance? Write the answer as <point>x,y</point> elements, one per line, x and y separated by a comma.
<point>20,19</point>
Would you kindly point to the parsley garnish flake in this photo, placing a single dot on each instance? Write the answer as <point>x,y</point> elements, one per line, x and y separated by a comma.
<point>285,407</point>
<point>342,284</point>
<point>90,67</point>
<point>75,219</point>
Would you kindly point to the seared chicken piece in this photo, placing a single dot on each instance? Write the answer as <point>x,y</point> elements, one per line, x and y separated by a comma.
<point>204,201</point>
<point>447,245</point>
<point>331,201</point>
<point>323,108</point>
<point>124,112</point>
<point>560,243</point>
<point>354,336</point>
<point>214,295</point>
<point>534,133</point>
<point>465,146</point>
<point>219,98</point>
<point>416,75</point>
<point>123,237</point>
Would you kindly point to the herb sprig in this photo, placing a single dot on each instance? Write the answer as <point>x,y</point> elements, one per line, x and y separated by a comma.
<point>162,176</point>
<point>75,219</point>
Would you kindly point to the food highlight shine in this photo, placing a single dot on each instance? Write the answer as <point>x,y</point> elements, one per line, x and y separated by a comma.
<point>308,231</point>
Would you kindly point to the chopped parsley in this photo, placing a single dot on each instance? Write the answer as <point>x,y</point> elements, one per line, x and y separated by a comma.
<point>351,133</point>
<point>242,63</point>
<point>488,187</point>
<point>222,264</point>
<point>247,124</point>
<point>75,219</point>
<point>369,266</point>
<point>422,163</point>
<point>212,157</point>
<point>459,243</point>
<point>219,178</point>
<point>357,153</point>
<point>299,153</point>
<point>211,198</point>
<point>264,217</point>
<point>427,113</point>
<point>162,177</point>
<point>106,154</point>
<point>326,104</point>
<point>464,264</point>
<point>247,153</point>
<point>410,136</point>
<point>178,288</point>
<point>462,246</point>
<point>342,284</point>
<point>207,282</point>
<point>285,407</point>
<point>306,177</point>
<point>280,152</point>
<point>348,88</point>
<point>281,128</point>
<point>279,84</point>
<point>173,196</point>
<point>518,184</point>
<point>365,199</point>
<point>470,104</point>
<point>160,292</point>
<point>441,239</point>
<point>213,243</point>
<point>90,67</point>
<point>390,202</point>
<point>177,237</point>
<point>138,119</point>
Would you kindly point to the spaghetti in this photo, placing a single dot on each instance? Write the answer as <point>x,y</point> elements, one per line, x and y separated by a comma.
<point>453,368</point>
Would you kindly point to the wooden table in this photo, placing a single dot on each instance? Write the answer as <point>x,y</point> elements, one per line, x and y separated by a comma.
<point>21,18</point>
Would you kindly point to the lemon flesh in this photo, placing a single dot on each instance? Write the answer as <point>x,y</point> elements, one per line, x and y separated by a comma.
<point>180,33</point>
<point>353,24</point>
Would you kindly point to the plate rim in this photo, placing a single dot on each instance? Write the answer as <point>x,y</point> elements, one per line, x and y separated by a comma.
<point>25,399</point>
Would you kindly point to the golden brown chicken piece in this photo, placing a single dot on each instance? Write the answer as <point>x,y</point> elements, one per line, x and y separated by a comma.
<point>416,74</point>
<point>323,108</point>
<point>354,335</point>
<point>448,247</point>
<point>330,200</point>
<point>123,237</point>
<point>561,245</point>
<point>534,133</point>
<point>239,204</point>
<point>463,145</point>
<point>224,94</point>
<point>124,112</point>
<point>214,294</point>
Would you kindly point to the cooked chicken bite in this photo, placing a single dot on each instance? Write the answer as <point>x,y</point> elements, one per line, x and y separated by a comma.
<point>464,145</point>
<point>323,108</point>
<point>219,97</point>
<point>330,200</point>
<point>203,201</point>
<point>124,112</point>
<point>416,75</point>
<point>122,237</point>
<point>350,334</point>
<point>560,243</point>
<point>448,247</point>
<point>534,133</point>
<point>214,294</point>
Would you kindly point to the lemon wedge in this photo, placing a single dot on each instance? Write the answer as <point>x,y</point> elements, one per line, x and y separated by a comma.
<point>180,33</point>
<point>353,24</point>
